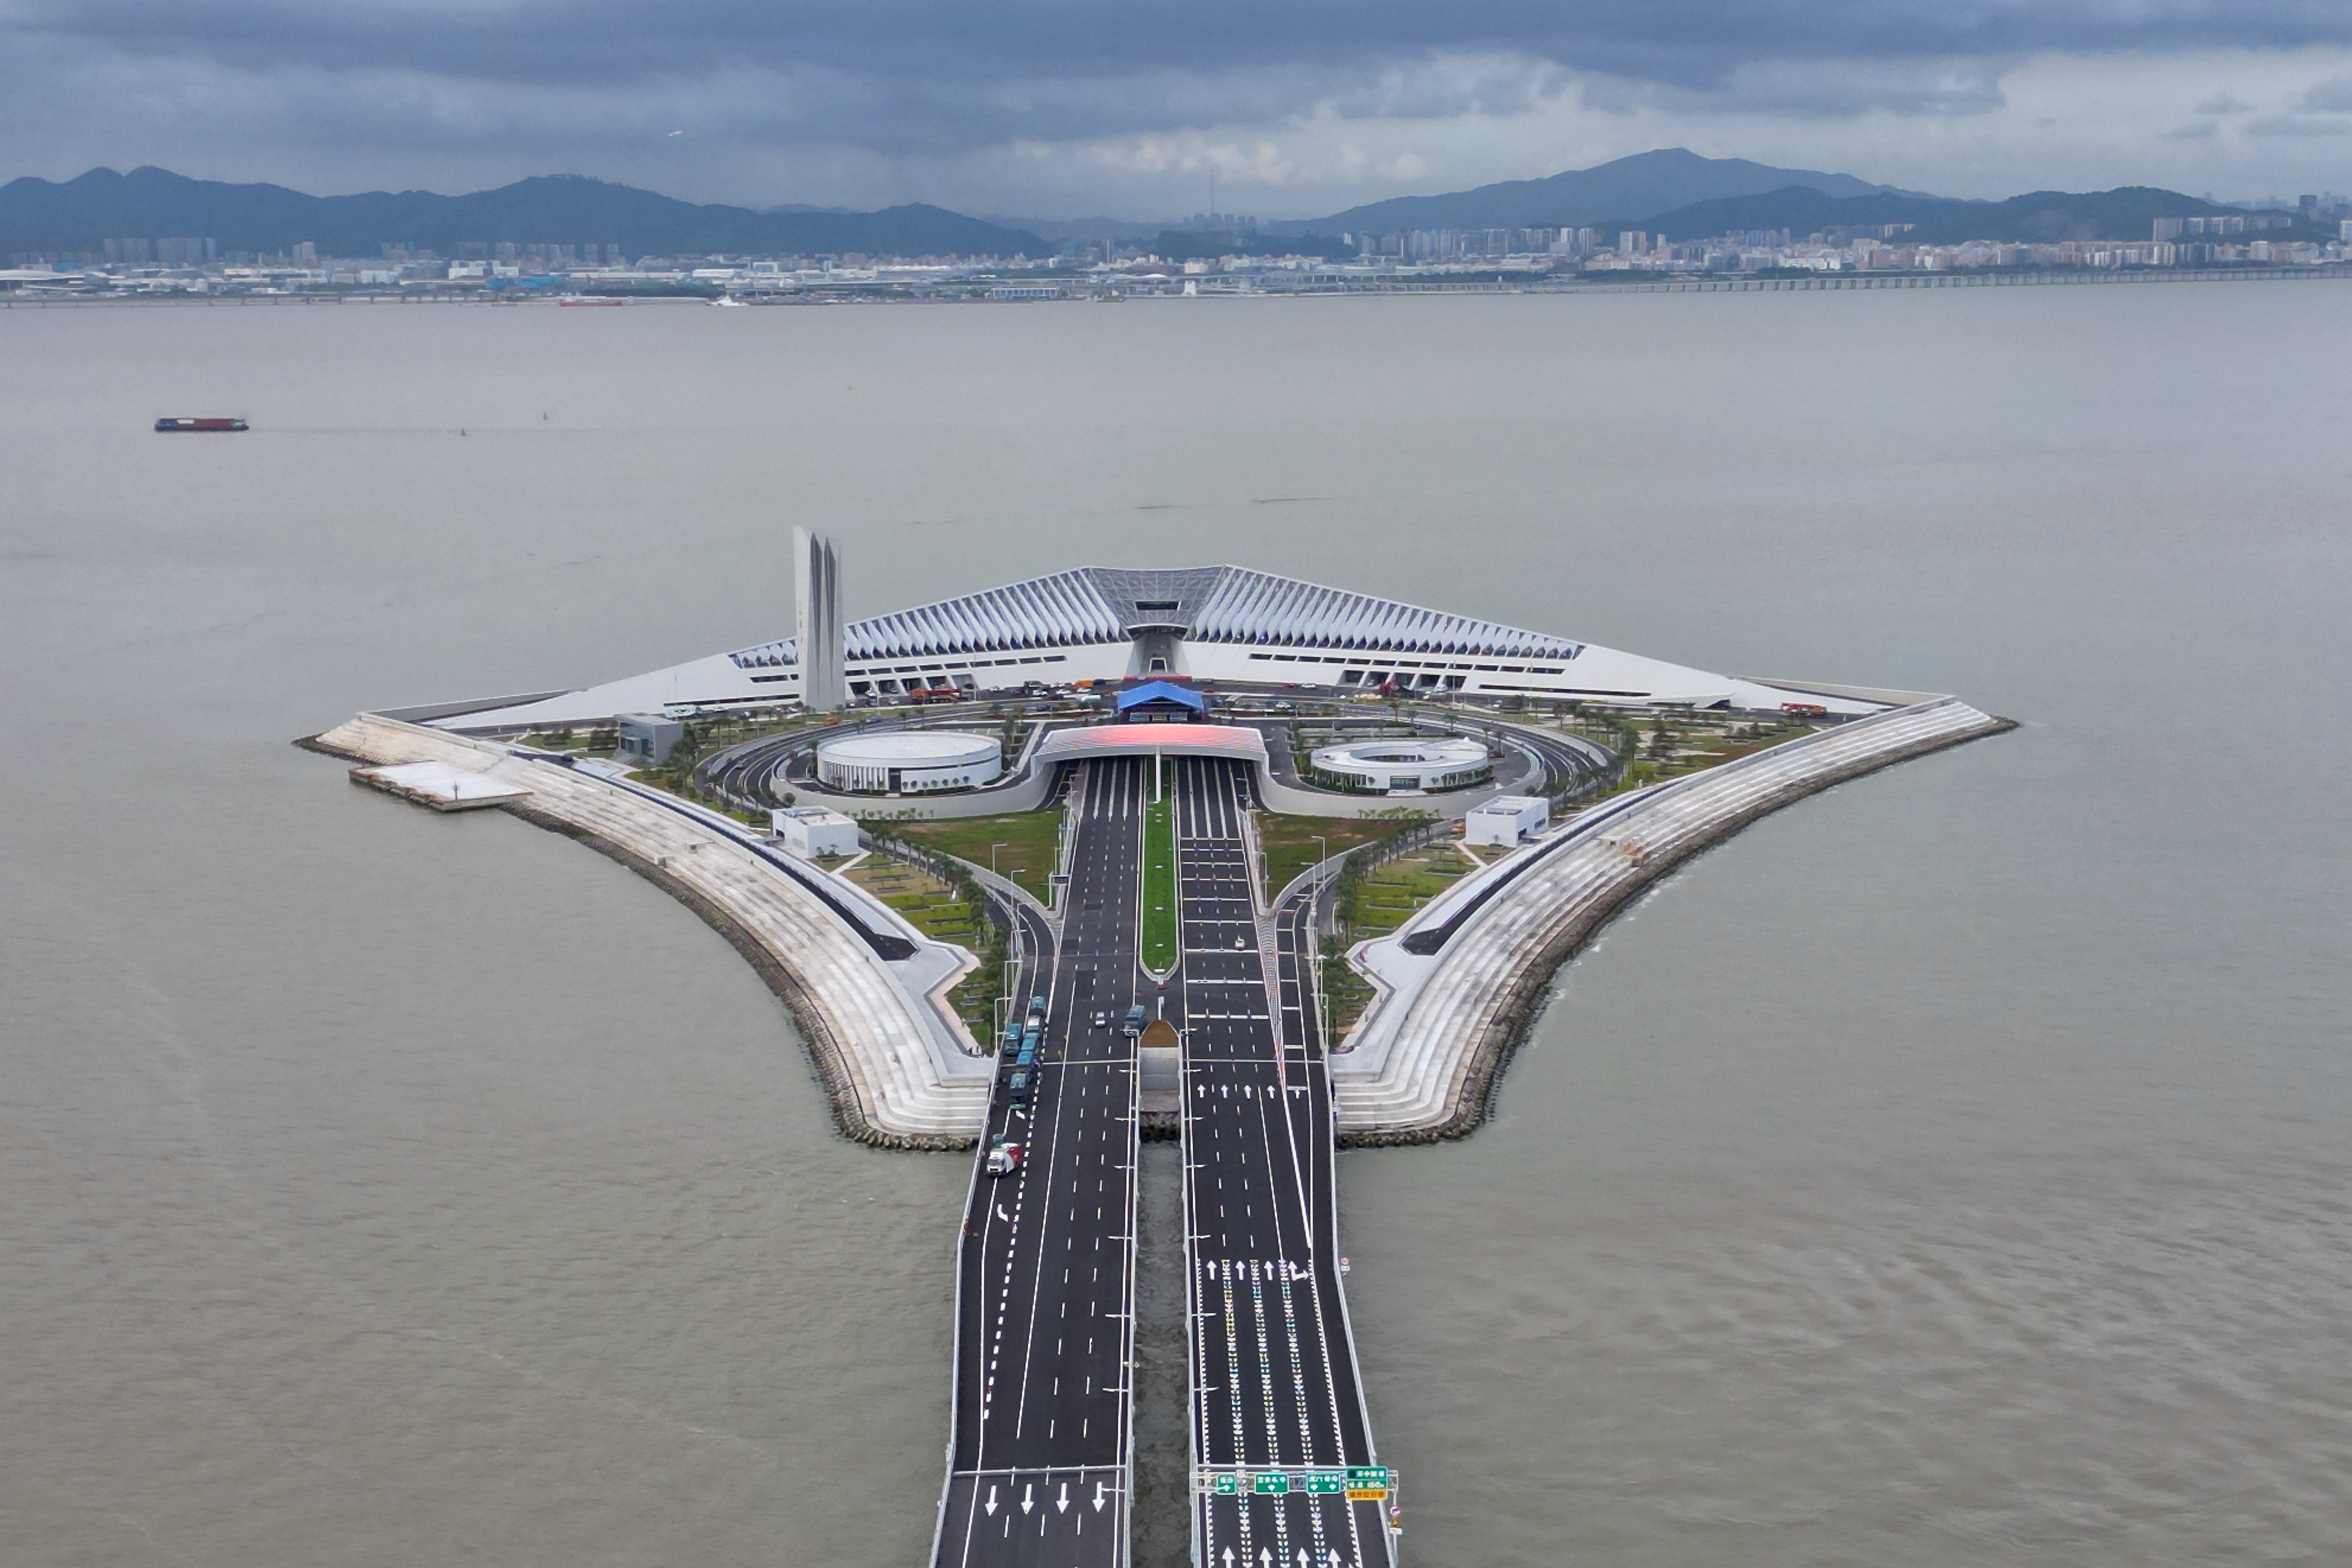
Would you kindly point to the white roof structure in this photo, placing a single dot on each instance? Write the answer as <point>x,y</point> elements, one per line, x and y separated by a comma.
<point>1209,622</point>
<point>912,749</point>
<point>1098,604</point>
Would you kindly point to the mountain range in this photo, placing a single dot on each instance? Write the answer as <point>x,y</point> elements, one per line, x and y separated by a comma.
<point>1671,192</point>
<point>1644,184</point>
<point>81,213</point>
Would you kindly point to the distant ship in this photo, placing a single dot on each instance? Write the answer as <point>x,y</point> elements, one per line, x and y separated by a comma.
<point>570,299</point>
<point>171,424</point>
<point>729,301</point>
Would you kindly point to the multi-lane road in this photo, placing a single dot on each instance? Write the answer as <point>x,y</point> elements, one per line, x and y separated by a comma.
<point>1040,1460</point>
<point>1039,1466</point>
<point>1277,1413</point>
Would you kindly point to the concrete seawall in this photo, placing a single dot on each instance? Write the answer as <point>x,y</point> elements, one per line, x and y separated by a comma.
<point>894,1061</point>
<point>1423,1062</point>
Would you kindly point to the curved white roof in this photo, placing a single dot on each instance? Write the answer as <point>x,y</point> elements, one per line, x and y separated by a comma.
<point>1206,603</point>
<point>1451,750</point>
<point>912,748</point>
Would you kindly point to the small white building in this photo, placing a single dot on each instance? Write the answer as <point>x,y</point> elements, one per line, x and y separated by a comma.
<point>812,830</point>
<point>1505,819</point>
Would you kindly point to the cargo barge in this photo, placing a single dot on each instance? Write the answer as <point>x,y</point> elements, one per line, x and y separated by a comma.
<point>174,424</point>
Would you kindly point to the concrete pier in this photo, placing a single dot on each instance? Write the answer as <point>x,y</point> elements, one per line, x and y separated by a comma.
<point>1458,985</point>
<point>901,1070</point>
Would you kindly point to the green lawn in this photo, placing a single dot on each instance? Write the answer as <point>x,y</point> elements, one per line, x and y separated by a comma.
<point>932,906</point>
<point>1386,898</point>
<point>1290,846</point>
<point>1031,841</point>
<point>1159,939</point>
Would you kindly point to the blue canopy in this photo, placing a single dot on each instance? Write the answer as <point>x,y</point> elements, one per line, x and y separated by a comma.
<point>1162,692</point>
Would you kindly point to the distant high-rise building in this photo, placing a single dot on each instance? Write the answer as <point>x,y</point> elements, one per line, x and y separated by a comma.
<point>306,252</point>
<point>816,621</point>
<point>1632,242</point>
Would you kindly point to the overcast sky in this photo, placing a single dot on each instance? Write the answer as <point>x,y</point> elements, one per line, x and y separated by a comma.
<point>1059,108</point>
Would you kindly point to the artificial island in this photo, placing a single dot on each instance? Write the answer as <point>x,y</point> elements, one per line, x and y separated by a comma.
<point>1210,854</point>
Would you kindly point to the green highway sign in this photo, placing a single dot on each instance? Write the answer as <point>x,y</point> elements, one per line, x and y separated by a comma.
<point>1368,1475</point>
<point>1327,1480</point>
<point>1224,1483</point>
<point>1269,1483</point>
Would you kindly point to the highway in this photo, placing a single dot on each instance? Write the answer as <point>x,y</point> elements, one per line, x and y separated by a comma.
<point>1039,1459</point>
<point>1276,1411</point>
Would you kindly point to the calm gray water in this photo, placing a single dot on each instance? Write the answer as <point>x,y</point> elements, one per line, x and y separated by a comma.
<point>1951,1170</point>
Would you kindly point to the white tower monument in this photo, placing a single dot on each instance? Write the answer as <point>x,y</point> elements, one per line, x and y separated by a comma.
<point>816,621</point>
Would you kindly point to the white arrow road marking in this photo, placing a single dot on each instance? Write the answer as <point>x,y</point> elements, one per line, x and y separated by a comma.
<point>989,1508</point>
<point>1229,1557</point>
<point>1026,1502</point>
<point>1064,1502</point>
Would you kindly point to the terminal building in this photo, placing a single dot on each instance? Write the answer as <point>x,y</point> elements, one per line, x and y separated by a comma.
<point>1210,624</point>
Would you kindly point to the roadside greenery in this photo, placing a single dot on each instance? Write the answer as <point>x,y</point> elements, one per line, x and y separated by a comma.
<point>941,899</point>
<point>1159,934</point>
<point>1290,846</point>
<point>1031,844</point>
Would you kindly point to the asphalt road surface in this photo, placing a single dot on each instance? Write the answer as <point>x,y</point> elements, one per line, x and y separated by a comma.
<point>1039,1464</point>
<point>1274,1401</point>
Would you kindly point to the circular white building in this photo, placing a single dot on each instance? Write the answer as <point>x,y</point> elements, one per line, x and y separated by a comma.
<point>1403,766</point>
<point>909,761</point>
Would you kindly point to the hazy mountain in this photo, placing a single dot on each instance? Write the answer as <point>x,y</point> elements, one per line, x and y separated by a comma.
<point>1644,184</point>
<point>560,209</point>
<point>1125,231</point>
<point>2126,213</point>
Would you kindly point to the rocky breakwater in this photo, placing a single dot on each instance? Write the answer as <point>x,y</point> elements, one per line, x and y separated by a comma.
<point>1457,986</point>
<point>866,990</point>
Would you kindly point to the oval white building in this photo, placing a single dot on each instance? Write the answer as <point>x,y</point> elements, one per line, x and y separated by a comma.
<point>909,761</point>
<point>1403,766</point>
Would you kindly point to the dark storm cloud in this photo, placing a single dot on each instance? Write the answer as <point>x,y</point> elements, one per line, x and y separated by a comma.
<point>933,71</point>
